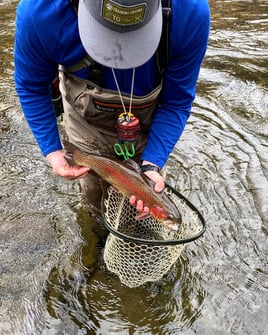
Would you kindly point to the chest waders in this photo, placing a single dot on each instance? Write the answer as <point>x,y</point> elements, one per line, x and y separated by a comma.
<point>91,113</point>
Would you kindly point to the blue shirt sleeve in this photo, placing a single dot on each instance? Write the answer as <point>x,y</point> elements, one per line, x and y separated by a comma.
<point>40,45</point>
<point>33,75</point>
<point>188,42</point>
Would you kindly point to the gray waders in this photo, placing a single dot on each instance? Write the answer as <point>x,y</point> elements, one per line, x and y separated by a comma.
<point>91,113</point>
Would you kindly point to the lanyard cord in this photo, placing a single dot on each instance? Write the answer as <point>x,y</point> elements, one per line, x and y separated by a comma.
<point>127,114</point>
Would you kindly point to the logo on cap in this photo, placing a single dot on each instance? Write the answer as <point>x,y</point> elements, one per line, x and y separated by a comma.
<point>123,15</point>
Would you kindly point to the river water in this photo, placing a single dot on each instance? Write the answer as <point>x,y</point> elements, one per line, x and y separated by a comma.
<point>52,276</point>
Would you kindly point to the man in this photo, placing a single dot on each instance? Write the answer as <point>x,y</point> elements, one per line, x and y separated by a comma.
<point>108,72</point>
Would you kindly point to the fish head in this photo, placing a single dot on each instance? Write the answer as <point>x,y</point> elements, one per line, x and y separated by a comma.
<point>166,219</point>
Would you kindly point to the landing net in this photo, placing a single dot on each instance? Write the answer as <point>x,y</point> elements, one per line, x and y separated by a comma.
<point>141,251</point>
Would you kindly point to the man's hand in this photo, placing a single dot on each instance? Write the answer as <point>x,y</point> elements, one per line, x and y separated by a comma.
<point>62,168</point>
<point>158,187</point>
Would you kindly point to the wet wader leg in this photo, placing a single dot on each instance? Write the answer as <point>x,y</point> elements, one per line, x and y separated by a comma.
<point>87,138</point>
<point>92,187</point>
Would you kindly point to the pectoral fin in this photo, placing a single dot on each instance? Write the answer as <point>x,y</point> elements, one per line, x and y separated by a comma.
<point>142,215</point>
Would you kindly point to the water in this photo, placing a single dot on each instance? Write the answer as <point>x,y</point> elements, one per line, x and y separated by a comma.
<point>52,276</point>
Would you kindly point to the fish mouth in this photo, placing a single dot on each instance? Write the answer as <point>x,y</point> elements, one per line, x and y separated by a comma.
<point>171,224</point>
<point>69,157</point>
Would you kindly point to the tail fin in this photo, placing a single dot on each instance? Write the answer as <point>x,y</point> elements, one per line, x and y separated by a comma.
<point>69,147</point>
<point>69,151</point>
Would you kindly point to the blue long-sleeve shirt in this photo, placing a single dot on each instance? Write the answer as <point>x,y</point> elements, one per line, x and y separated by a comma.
<point>47,35</point>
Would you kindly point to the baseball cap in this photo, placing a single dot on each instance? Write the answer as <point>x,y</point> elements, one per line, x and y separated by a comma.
<point>120,34</point>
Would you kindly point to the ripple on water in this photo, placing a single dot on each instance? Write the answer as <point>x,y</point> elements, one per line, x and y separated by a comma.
<point>52,277</point>
<point>221,165</point>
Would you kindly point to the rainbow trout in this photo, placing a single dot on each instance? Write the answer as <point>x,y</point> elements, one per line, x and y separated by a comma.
<point>127,178</point>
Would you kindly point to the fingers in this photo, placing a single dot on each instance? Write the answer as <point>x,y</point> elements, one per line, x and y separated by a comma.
<point>159,185</point>
<point>157,179</point>
<point>72,172</point>
<point>143,210</point>
<point>62,168</point>
<point>155,176</point>
<point>132,200</point>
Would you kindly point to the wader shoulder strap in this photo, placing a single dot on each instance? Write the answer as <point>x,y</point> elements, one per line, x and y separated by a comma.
<point>163,48</point>
<point>75,4</point>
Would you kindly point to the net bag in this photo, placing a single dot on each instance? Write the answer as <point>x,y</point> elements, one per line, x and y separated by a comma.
<point>140,251</point>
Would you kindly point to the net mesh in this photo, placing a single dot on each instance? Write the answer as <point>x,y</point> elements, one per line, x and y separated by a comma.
<point>141,251</point>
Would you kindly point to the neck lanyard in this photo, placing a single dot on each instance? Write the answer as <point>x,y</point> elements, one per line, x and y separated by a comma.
<point>126,114</point>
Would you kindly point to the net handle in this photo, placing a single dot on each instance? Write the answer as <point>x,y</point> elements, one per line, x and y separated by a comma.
<point>157,242</point>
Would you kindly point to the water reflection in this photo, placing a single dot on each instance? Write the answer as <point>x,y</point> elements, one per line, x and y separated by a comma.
<point>52,276</point>
<point>102,305</point>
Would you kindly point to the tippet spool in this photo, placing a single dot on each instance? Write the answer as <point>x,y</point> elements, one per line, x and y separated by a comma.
<point>128,128</point>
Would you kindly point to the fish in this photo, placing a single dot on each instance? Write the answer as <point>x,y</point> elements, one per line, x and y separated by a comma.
<point>127,178</point>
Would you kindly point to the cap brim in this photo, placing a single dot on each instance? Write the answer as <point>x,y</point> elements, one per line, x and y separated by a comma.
<point>115,49</point>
